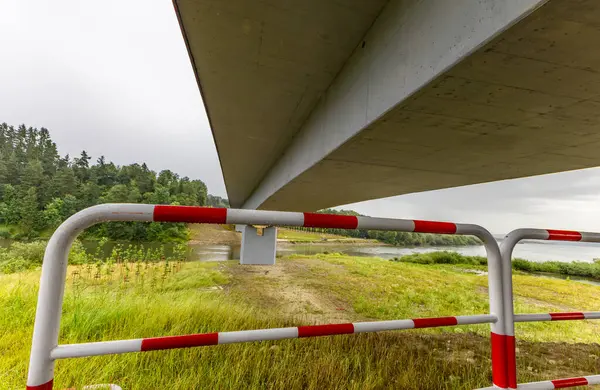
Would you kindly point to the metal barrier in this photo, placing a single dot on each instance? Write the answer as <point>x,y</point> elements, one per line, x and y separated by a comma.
<point>45,349</point>
<point>506,249</point>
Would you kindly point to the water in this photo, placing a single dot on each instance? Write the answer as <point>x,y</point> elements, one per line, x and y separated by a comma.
<point>530,250</point>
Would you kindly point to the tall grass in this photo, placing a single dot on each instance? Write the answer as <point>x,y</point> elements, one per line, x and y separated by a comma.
<point>187,300</point>
<point>186,304</point>
<point>22,256</point>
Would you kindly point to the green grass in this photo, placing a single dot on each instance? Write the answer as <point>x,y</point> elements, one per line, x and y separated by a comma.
<point>129,302</point>
<point>391,290</point>
<point>575,268</point>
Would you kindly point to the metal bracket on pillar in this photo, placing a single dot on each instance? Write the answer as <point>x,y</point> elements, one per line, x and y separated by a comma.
<point>259,244</point>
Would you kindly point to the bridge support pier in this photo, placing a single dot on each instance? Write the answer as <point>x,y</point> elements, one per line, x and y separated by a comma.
<point>258,245</point>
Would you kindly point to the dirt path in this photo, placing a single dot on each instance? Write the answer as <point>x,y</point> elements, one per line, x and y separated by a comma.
<point>283,287</point>
<point>213,235</point>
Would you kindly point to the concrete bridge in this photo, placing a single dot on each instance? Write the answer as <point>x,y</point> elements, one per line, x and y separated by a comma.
<point>316,103</point>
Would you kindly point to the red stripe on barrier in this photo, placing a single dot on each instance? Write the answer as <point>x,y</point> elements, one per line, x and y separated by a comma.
<point>433,322</point>
<point>189,214</point>
<point>325,330</point>
<point>563,235</point>
<point>171,342</point>
<point>45,386</point>
<point>511,360</point>
<point>434,227</point>
<point>499,370</point>
<point>569,382</point>
<point>330,221</point>
<point>566,316</point>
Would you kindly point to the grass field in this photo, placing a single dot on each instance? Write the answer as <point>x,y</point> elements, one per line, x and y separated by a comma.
<point>122,301</point>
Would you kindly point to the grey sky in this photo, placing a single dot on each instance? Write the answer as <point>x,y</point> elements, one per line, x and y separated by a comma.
<point>113,78</point>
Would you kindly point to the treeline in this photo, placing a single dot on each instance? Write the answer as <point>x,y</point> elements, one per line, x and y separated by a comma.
<point>395,238</point>
<point>217,201</point>
<point>39,189</point>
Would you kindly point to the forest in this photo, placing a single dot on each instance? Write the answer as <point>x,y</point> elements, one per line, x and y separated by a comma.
<point>39,189</point>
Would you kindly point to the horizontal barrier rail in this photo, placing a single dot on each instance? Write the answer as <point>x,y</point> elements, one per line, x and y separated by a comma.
<point>45,348</point>
<point>204,339</point>
<point>589,315</point>
<point>506,248</point>
<point>562,383</point>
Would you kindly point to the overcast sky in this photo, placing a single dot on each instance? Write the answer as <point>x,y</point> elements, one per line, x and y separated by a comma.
<point>113,78</point>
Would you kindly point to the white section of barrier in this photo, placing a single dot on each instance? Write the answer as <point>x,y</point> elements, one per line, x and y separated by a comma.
<point>96,349</point>
<point>532,317</point>
<point>257,335</point>
<point>385,224</point>
<point>476,319</point>
<point>360,327</point>
<point>263,217</point>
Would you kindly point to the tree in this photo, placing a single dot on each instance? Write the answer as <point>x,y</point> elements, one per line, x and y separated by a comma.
<point>117,194</point>
<point>81,165</point>
<point>28,212</point>
<point>39,189</point>
<point>64,182</point>
<point>53,213</point>
<point>33,176</point>
<point>11,210</point>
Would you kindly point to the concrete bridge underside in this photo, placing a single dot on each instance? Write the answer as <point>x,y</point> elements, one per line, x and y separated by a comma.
<point>316,103</point>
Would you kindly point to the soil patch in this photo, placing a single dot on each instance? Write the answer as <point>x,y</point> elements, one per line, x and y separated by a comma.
<point>213,235</point>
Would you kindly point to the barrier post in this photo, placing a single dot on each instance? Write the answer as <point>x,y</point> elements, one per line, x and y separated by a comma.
<point>497,299</point>
<point>506,249</point>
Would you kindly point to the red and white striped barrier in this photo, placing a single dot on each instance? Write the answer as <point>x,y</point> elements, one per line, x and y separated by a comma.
<point>244,336</point>
<point>506,248</point>
<point>45,348</point>
<point>562,383</point>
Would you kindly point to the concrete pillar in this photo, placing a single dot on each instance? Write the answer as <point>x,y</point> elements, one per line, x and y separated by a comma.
<point>258,248</point>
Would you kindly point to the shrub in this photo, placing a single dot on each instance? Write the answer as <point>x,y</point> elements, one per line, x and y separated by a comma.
<point>22,256</point>
<point>442,258</point>
<point>15,265</point>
